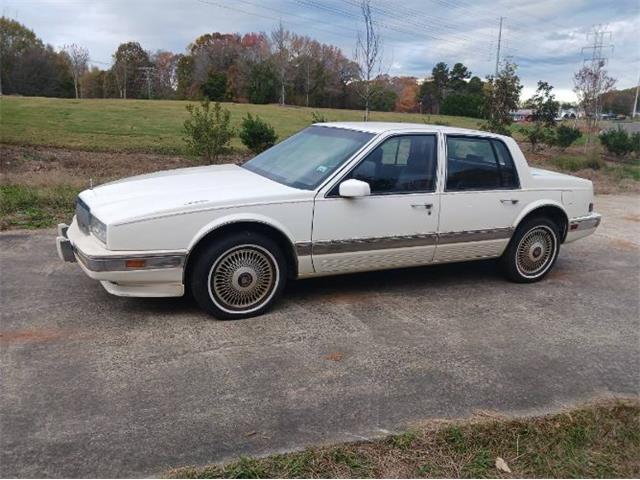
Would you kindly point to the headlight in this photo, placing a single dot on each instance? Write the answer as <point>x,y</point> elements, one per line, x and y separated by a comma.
<point>99,229</point>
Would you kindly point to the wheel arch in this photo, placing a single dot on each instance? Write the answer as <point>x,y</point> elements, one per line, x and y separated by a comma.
<point>550,209</point>
<point>229,225</point>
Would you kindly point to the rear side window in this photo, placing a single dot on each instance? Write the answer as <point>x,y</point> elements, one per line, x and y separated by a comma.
<point>479,164</point>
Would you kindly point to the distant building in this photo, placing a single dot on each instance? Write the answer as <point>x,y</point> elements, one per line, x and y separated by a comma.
<point>522,115</point>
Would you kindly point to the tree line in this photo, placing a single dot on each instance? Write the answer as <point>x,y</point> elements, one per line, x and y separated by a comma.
<point>281,67</point>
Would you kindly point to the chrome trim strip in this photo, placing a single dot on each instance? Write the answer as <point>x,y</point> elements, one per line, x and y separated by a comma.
<point>475,235</point>
<point>303,249</point>
<point>585,223</point>
<point>404,241</point>
<point>373,243</point>
<point>118,264</point>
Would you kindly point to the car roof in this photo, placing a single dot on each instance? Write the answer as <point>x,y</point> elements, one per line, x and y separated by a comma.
<point>382,127</point>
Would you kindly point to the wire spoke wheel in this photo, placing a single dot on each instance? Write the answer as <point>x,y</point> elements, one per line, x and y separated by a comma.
<point>536,251</point>
<point>242,278</point>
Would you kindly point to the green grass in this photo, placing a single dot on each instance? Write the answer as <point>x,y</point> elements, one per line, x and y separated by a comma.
<point>594,441</point>
<point>152,126</point>
<point>573,163</point>
<point>35,207</point>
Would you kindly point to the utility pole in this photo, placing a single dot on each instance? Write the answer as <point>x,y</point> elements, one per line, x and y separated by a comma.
<point>635,102</point>
<point>499,41</point>
<point>148,71</point>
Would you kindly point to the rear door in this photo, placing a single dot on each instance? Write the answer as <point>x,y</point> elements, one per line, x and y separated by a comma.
<point>481,199</point>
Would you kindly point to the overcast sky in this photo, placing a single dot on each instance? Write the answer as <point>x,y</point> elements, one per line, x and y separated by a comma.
<point>543,37</point>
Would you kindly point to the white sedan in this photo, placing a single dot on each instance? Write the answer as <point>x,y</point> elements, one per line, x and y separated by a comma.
<point>334,198</point>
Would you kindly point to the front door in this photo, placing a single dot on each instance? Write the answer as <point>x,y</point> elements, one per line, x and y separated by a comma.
<point>481,199</point>
<point>396,225</point>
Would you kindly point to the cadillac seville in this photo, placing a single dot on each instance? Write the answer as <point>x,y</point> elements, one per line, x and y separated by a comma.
<point>334,198</point>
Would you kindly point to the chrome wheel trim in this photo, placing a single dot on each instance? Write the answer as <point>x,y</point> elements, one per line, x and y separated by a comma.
<point>536,251</point>
<point>243,279</point>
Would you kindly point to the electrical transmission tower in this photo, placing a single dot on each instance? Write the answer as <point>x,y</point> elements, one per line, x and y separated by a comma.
<point>601,46</point>
<point>148,73</point>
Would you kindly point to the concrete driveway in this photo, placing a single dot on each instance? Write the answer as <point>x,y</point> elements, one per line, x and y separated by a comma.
<point>95,385</point>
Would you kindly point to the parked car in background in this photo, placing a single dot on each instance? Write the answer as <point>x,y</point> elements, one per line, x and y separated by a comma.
<point>335,198</point>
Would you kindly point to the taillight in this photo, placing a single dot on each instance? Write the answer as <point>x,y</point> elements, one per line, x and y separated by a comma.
<point>591,207</point>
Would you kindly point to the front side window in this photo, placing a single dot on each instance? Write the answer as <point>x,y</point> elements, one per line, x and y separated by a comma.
<point>403,164</point>
<point>307,158</point>
<point>479,164</point>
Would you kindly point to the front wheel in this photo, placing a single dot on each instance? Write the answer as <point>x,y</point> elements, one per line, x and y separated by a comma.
<point>532,251</point>
<point>238,276</point>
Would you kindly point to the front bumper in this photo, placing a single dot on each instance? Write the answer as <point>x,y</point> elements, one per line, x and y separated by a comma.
<point>130,273</point>
<point>581,227</point>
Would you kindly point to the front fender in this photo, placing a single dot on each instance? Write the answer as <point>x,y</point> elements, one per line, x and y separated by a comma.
<point>238,218</point>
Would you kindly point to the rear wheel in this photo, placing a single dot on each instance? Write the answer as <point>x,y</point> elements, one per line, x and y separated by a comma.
<point>532,252</point>
<point>239,276</point>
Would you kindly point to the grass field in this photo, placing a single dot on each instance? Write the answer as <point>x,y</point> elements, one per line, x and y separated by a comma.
<point>152,126</point>
<point>51,147</point>
<point>590,442</point>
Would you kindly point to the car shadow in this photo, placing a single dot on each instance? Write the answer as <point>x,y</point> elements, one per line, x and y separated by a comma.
<point>320,288</point>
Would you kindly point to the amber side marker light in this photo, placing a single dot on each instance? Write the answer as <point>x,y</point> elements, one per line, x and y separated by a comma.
<point>135,263</point>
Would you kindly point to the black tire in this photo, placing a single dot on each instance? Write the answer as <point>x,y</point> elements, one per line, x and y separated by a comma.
<point>238,276</point>
<point>532,251</point>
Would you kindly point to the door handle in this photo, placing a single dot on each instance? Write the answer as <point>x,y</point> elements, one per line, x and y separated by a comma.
<point>426,206</point>
<point>512,201</point>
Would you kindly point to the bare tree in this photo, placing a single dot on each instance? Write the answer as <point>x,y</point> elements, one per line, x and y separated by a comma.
<point>368,56</point>
<point>281,39</point>
<point>78,63</point>
<point>590,83</point>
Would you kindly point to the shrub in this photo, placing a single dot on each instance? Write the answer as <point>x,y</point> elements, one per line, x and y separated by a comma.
<point>208,131</point>
<point>617,141</point>
<point>256,134</point>
<point>565,136</point>
<point>635,143</point>
<point>318,117</point>
<point>537,134</point>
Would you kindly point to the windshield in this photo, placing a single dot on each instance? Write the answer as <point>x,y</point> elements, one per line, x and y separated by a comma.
<point>307,158</point>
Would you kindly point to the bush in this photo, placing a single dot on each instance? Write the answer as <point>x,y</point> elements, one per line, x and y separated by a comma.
<point>536,135</point>
<point>617,141</point>
<point>256,134</point>
<point>635,143</point>
<point>318,117</point>
<point>208,131</point>
<point>565,136</point>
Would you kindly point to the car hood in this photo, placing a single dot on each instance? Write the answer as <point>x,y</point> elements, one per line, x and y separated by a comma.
<point>184,190</point>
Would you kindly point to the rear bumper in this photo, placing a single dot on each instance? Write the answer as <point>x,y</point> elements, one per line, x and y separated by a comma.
<point>581,227</point>
<point>131,273</point>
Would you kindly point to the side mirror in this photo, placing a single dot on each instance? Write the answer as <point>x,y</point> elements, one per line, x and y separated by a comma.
<point>354,188</point>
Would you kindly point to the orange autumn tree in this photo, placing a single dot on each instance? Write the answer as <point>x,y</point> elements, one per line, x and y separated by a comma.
<point>408,89</point>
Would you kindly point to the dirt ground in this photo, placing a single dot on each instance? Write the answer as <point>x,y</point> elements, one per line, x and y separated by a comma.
<point>46,166</point>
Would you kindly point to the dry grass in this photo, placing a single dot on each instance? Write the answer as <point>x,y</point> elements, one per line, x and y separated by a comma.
<point>600,440</point>
<point>608,175</point>
<point>38,185</point>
